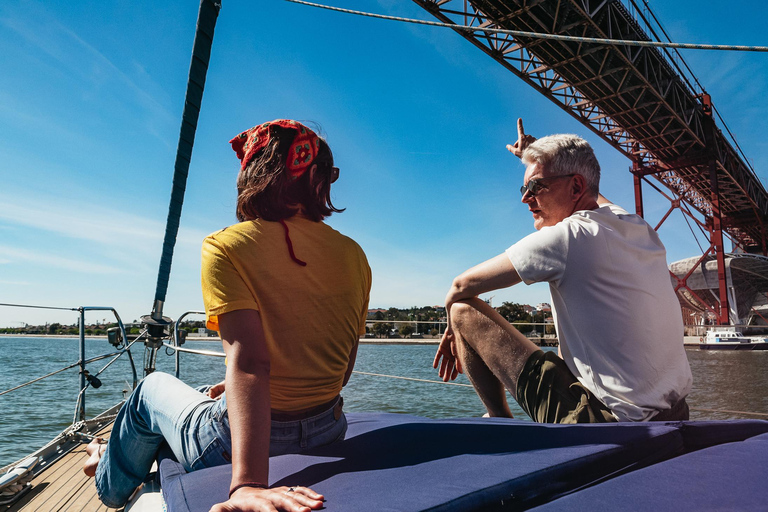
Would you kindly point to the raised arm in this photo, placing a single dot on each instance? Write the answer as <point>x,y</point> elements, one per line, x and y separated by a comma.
<point>248,407</point>
<point>523,141</point>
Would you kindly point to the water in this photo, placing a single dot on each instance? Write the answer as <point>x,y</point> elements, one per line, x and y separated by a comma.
<point>31,416</point>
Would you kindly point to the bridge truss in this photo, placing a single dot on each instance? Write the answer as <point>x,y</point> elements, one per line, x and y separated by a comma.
<point>637,100</point>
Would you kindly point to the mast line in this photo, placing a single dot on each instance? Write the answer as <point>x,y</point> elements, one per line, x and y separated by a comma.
<point>198,69</point>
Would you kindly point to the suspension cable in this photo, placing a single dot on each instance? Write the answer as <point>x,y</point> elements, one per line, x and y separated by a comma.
<point>690,71</point>
<point>538,35</point>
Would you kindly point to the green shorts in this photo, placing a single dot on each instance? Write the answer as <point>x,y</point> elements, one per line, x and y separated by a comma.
<point>549,393</point>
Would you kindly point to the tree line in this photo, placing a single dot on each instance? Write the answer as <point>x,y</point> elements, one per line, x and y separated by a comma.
<point>90,330</point>
<point>431,320</point>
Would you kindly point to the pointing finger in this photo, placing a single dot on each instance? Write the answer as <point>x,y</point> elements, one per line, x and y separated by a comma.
<point>520,130</point>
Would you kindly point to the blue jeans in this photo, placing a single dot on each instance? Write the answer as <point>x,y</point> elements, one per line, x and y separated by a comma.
<point>196,428</point>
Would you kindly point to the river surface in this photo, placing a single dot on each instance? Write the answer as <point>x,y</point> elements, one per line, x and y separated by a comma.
<point>33,415</point>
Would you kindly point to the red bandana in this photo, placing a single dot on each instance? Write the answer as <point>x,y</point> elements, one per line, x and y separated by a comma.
<point>302,152</point>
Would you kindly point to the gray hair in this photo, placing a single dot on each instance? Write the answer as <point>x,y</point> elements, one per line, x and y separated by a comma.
<point>565,154</point>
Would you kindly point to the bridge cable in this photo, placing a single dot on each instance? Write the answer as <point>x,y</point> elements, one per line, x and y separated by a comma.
<point>669,39</point>
<point>538,35</point>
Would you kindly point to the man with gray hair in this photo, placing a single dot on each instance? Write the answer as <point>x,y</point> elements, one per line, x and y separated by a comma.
<point>619,323</point>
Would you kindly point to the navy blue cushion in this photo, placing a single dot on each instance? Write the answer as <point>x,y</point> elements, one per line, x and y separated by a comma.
<point>702,434</point>
<point>400,462</point>
<point>729,476</point>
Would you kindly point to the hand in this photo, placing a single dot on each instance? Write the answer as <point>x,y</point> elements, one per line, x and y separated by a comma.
<point>523,141</point>
<point>290,499</point>
<point>450,366</point>
<point>216,391</point>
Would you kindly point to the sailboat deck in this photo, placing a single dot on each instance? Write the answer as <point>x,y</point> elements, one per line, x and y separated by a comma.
<point>63,486</point>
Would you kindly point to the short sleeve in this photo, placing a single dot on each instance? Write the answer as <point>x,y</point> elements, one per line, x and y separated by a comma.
<point>223,287</point>
<point>541,256</point>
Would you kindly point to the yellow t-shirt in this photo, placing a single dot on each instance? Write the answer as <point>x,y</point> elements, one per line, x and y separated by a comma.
<point>312,316</point>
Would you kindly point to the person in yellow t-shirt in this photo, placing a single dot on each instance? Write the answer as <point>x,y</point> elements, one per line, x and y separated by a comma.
<point>289,297</point>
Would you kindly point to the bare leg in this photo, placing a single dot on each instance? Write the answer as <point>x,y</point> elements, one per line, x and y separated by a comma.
<point>487,386</point>
<point>95,449</point>
<point>492,352</point>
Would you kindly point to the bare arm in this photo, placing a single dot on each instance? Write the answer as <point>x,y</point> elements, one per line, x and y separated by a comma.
<point>496,273</point>
<point>248,407</point>
<point>523,141</point>
<point>248,403</point>
<point>490,275</point>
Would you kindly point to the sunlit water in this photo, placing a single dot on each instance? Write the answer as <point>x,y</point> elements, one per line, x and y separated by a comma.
<point>31,416</point>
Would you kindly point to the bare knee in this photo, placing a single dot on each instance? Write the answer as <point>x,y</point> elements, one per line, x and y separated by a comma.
<point>462,311</point>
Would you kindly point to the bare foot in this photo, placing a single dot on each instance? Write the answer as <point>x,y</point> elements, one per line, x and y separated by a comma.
<point>95,449</point>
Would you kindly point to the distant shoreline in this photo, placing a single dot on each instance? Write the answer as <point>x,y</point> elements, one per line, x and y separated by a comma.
<point>688,341</point>
<point>391,341</point>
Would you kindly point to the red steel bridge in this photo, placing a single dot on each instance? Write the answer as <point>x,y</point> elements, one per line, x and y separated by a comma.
<point>638,99</point>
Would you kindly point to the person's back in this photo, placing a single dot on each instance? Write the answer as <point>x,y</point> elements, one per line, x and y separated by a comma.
<point>617,318</point>
<point>616,313</point>
<point>311,314</point>
<point>289,297</point>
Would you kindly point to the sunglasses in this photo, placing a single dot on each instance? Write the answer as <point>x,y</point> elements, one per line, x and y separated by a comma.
<point>328,164</point>
<point>536,185</point>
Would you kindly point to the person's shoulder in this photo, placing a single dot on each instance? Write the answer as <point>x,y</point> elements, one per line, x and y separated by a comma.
<point>343,240</point>
<point>609,210</point>
<point>615,209</point>
<point>233,234</point>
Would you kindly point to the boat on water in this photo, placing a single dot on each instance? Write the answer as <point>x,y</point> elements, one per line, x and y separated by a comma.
<point>728,338</point>
<point>403,462</point>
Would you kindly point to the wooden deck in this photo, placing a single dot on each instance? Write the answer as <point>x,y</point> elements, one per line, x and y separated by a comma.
<point>63,487</point>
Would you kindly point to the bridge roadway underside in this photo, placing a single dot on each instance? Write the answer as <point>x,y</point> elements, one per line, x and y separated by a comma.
<point>633,97</point>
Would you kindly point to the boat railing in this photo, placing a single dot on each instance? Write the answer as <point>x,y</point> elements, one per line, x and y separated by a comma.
<point>178,338</point>
<point>117,338</point>
<point>746,330</point>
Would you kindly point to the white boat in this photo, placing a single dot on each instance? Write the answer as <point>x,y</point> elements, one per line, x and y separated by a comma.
<point>728,338</point>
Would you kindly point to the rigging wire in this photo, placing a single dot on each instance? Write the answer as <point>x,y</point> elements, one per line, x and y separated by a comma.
<point>211,353</point>
<point>40,378</point>
<point>538,35</point>
<point>87,361</point>
<point>693,233</point>
<point>38,307</point>
<point>412,379</point>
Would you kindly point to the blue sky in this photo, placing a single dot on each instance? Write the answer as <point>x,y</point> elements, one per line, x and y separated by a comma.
<point>91,95</point>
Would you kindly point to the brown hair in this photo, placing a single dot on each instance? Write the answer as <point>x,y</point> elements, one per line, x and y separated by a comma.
<point>266,190</point>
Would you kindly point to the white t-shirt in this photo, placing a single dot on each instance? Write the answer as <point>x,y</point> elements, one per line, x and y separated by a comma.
<point>617,317</point>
